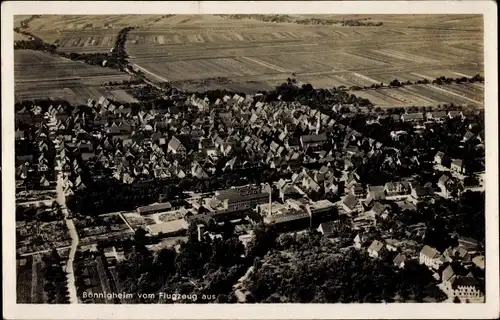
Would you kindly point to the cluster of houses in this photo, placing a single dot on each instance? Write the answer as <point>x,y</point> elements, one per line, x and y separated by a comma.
<point>192,137</point>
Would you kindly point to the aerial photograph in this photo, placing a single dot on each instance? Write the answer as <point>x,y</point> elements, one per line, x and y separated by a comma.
<point>249,158</point>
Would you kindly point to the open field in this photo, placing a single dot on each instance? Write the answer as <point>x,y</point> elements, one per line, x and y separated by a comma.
<point>40,75</point>
<point>193,51</point>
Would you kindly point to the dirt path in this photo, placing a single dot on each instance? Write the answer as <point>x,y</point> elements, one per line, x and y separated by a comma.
<point>150,73</point>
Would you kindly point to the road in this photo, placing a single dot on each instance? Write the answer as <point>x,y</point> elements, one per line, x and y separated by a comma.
<point>61,199</point>
<point>150,73</point>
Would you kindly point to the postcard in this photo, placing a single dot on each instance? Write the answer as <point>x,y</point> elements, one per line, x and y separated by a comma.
<point>250,160</point>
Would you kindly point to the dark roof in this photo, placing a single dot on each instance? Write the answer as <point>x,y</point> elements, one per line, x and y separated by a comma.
<point>154,207</point>
<point>464,281</point>
<point>327,227</point>
<point>378,208</point>
<point>376,192</point>
<point>313,138</point>
<point>447,273</point>
<point>281,218</point>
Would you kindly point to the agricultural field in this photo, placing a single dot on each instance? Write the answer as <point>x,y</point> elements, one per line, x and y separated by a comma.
<point>39,75</point>
<point>202,52</point>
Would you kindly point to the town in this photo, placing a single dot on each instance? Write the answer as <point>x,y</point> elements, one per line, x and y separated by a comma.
<point>230,181</point>
<point>343,162</point>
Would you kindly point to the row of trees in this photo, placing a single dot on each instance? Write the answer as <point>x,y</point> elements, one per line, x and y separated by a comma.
<point>116,59</point>
<point>439,81</point>
<point>283,18</point>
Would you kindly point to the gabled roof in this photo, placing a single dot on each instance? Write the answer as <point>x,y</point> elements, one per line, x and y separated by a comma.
<point>327,227</point>
<point>175,144</point>
<point>400,258</point>
<point>429,252</point>
<point>350,201</point>
<point>378,208</point>
<point>376,246</point>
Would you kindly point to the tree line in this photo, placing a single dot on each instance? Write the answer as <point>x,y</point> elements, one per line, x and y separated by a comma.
<point>438,81</point>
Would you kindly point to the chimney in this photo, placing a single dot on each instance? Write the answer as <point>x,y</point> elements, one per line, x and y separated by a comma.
<point>201,231</point>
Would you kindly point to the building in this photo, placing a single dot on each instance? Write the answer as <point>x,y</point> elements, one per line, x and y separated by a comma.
<point>457,165</point>
<point>430,257</point>
<point>176,147</point>
<point>399,260</point>
<point>359,241</point>
<point>240,198</point>
<point>290,220</point>
<point>378,210</point>
<point>327,228</point>
<point>412,117</point>
<point>376,249</point>
<point>439,158</point>
<point>419,193</point>
<point>313,140</point>
<point>397,188</point>
<point>436,115</point>
<point>170,227</point>
<point>350,204</point>
<point>465,288</point>
<point>155,208</point>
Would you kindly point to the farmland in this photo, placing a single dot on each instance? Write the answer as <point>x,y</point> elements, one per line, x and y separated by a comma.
<point>40,75</point>
<point>201,52</point>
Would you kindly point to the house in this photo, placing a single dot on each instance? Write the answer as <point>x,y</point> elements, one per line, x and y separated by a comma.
<point>436,115</point>
<point>439,158</point>
<point>359,241</point>
<point>419,192</point>
<point>459,253</point>
<point>375,193</point>
<point>154,208</point>
<point>378,210</point>
<point>412,117</point>
<point>357,190</point>
<point>240,198</point>
<point>399,260</point>
<point>468,136</point>
<point>176,147</point>
<point>313,140</point>
<point>455,114</point>
<point>468,243</point>
<point>479,261</point>
<point>457,165</point>
<point>465,288</point>
<point>327,228</point>
<point>397,188</point>
<point>430,257</point>
<point>350,204</point>
<point>445,185</point>
<point>376,249</point>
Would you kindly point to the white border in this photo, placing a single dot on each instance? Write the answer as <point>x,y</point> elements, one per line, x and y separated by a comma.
<point>291,311</point>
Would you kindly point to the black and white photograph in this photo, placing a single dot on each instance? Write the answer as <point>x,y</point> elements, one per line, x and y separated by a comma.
<point>240,158</point>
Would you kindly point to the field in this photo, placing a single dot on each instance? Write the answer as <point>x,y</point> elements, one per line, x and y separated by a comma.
<point>192,51</point>
<point>41,75</point>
